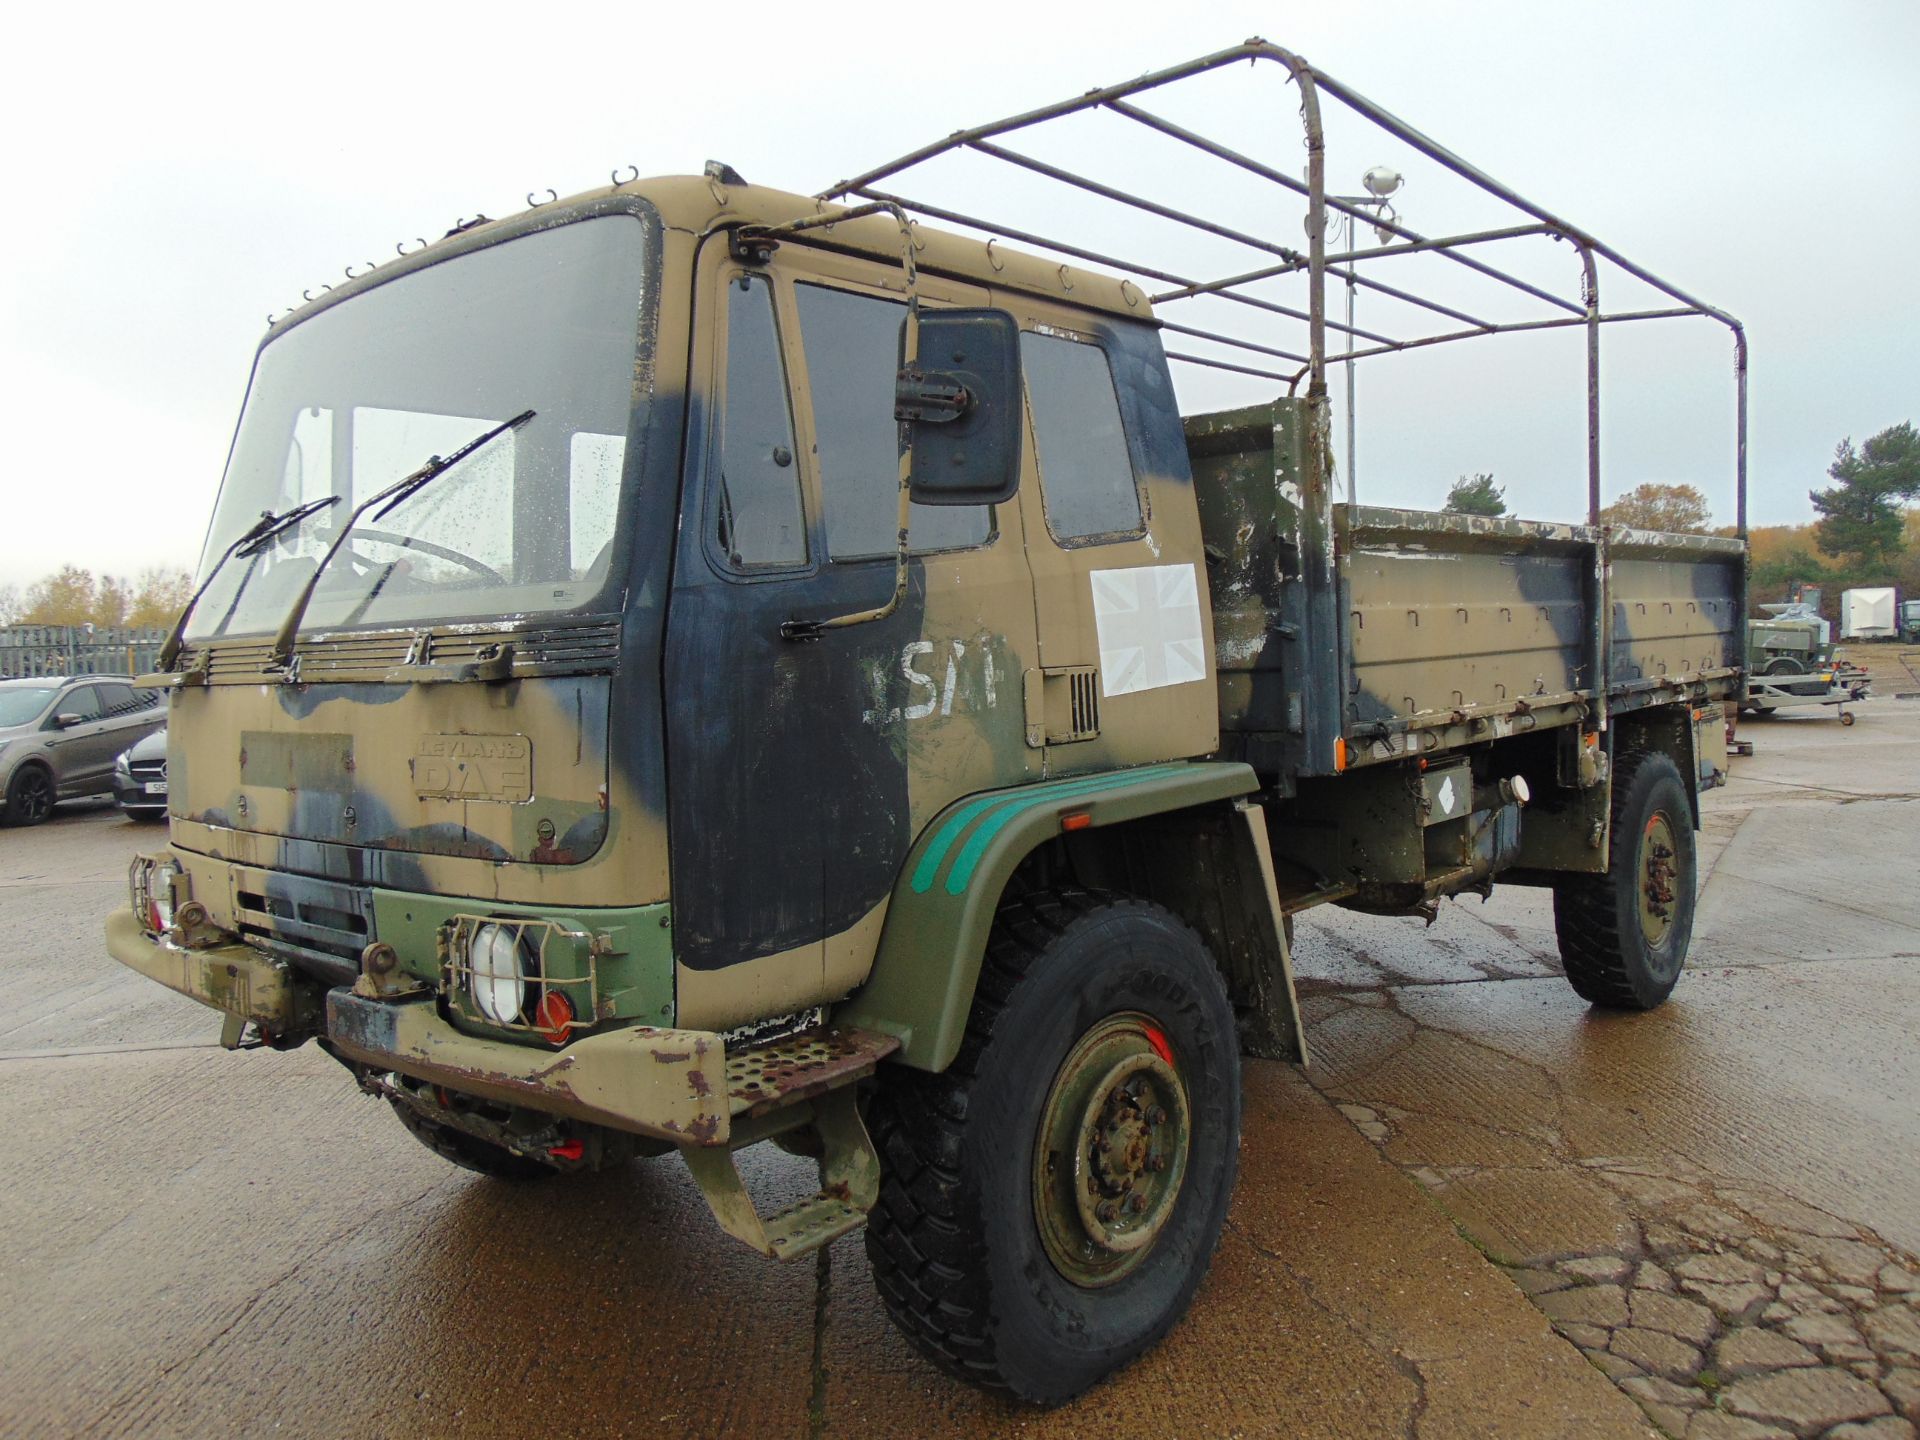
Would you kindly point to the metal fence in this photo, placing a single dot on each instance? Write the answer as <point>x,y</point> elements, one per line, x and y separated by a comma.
<point>78,649</point>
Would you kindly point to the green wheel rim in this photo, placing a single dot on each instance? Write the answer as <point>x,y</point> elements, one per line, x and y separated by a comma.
<point>1112,1150</point>
<point>1658,874</point>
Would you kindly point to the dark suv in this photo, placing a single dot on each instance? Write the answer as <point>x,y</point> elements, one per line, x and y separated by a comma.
<point>59,738</point>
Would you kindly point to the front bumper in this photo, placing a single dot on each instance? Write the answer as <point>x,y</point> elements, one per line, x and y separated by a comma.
<point>666,1084</point>
<point>236,980</point>
<point>132,794</point>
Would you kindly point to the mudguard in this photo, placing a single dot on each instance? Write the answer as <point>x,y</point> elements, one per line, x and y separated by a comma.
<point>928,962</point>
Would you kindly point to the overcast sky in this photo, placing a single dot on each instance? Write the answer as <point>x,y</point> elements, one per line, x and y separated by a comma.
<point>178,172</point>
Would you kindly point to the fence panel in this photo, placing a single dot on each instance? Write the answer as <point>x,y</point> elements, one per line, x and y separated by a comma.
<point>78,649</point>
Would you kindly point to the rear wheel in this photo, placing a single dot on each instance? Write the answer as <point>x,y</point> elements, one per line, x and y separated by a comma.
<point>30,796</point>
<point>1623,935</point>
<point>1050,1203</point>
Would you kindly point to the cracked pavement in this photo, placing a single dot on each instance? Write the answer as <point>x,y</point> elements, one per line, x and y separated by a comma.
<point>1484,1210</point>
<point>1719,1202</point>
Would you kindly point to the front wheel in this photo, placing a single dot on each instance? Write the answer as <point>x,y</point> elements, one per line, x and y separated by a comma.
<point>1623,934</point>
<point>1050,1203</point>
<point>30,796</point>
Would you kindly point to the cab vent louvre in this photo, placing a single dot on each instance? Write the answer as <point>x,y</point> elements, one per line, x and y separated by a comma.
<point>1071,703</point>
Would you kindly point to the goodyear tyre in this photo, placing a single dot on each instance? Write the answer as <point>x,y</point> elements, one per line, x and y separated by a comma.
<point>1623,935</point>
<point>1050,1203</point>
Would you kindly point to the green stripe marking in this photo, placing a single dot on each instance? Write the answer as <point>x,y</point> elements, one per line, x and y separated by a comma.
<point>1008,805</point>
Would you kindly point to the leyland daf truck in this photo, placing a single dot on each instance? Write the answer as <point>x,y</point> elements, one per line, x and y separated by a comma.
<point>691,665</point>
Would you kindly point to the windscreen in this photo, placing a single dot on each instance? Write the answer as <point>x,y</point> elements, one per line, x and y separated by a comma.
<point>19,704</point>
<point>366,392</point>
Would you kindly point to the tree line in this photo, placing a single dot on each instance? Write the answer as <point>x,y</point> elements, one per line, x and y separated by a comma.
<point>1867,533</point>
<point>74,596</point>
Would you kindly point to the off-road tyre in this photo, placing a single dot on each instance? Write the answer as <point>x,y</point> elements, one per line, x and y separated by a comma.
<point>470,1152</point>
<point>31,796</point>
<point>956,1241</point>
<point>1609,957</point>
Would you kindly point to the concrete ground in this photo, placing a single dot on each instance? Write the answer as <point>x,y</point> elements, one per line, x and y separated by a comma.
<point>1482,1210</point>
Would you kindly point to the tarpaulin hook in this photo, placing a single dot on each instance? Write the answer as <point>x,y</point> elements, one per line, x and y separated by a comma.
<point>533,204</point>
<point>615,174</point>
<point>400,246</point>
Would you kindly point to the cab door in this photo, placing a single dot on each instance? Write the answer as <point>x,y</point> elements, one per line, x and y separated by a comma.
<point>799,771</point>
<point>1126,669</point>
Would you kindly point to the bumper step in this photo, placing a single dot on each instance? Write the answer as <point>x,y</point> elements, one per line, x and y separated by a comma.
<point>784,1072</point>
<point>818,1071</point>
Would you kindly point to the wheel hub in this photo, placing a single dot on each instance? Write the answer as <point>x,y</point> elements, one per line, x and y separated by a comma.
<point>1113,1151</point>
<point>1657,874</point>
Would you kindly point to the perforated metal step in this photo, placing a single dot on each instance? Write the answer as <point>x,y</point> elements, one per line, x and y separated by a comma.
<point>799,1067</point>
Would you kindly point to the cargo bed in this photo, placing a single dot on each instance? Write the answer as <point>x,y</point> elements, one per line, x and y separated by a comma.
<point>1377,633</point>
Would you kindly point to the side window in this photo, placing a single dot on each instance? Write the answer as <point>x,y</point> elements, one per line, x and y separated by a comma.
<point>83,701</point>
<point>118,699</point>
<point>760,521</point>
<point>1086,476</point>
<point>853,354</point>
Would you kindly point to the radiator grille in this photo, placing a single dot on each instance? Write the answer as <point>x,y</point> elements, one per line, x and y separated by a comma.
<point>315,924</point>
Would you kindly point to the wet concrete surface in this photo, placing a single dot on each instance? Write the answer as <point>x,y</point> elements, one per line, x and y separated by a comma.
<point>1484,1210</point>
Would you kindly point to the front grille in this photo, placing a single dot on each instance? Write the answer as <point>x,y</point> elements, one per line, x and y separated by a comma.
<point>579,648</point>
<point>144,770</point>
<point>315,925</point>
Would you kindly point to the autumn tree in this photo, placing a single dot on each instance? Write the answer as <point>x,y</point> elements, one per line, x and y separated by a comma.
<point>111,598</point>
<point>159,595</point>
<point>1860,513</point>
<point>1675,508</point>
<point>62,598</point>
<point>1478,496</point>
<point>11,607</point>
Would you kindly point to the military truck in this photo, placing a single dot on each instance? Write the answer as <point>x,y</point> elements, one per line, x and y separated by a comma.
<point>692,665</point>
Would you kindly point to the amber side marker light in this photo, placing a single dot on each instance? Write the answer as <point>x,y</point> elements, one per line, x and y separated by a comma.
<point>1078,820</point>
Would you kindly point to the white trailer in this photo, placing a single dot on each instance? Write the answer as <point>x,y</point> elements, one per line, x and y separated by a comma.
<point>1867,614</point>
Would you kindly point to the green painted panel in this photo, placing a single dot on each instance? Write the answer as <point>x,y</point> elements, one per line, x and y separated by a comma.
<point>635,973</point>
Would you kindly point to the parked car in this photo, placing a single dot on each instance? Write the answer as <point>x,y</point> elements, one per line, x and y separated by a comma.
<point>140,778</point>
<point>59,737</point>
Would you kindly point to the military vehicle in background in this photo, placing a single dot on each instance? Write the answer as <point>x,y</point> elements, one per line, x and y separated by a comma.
<point>1791,639</point>
<point>1910,621</point>
<point>1869,613</point>
<point>721,665</point>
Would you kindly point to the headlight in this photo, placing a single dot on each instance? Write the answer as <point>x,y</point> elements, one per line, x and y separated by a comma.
<point>152,880</point>
<point>498,978</point>
<point>120,766</point>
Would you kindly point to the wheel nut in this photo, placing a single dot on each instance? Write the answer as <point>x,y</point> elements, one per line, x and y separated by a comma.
<point>1136,1202</point>
<point>1108,1212</point>
<point>1156,1116</point>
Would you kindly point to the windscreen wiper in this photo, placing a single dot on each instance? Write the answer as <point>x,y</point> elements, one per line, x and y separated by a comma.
<point>252,541</point>
<point>281,656</point>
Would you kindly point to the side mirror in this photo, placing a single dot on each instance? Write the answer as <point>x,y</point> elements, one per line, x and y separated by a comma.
<point>961,404</point>
<point>66,720</point>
